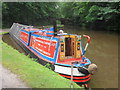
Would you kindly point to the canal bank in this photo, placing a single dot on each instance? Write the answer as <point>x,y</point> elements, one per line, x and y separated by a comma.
<point>34,74</point>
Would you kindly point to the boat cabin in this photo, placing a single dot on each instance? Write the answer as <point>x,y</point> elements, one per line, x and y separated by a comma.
<point>61,48</point>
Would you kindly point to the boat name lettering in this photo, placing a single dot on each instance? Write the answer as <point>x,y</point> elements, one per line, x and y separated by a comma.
<point>44,42</point>
<point>42,51</point>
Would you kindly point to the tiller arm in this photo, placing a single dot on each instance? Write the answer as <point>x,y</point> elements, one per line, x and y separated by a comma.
<point>88,41</point>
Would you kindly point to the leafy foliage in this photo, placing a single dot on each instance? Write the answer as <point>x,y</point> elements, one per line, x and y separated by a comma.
<point>95,15</point>
<point>91,14</point>
<point>27,12</point>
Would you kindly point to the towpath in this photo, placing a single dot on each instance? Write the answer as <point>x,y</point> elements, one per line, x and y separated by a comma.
<point>10,80</point>
<point>4,30</point>
<point>7,78</point>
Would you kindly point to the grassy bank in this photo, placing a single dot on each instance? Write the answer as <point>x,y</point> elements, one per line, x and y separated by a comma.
<point>3,33</point>
<point>34,74</point>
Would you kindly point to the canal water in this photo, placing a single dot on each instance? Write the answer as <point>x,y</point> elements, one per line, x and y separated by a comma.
<point>8,39</point>
<point>103,51</point>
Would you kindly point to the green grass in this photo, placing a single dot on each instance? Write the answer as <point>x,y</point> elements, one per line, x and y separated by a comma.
<point>3,33</point>
<point>34,74</point>
<point>60,25</point>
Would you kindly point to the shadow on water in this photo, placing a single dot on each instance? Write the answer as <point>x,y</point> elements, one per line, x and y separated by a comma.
<point>103,51</point>
<point>7,39</point>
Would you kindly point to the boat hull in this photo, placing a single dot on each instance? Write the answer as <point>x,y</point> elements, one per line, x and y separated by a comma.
<point>63,71</point>
<point>78,77</point>
<point>46,50</point>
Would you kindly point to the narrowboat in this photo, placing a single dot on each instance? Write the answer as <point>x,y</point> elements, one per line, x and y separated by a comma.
<point>63,51</point>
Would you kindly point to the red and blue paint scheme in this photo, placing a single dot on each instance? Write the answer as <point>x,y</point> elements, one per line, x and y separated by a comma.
<point>60,50</point>
<point>42,43</point>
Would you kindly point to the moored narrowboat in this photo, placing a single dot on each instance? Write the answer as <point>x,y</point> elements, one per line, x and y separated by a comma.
<point>63,51</point>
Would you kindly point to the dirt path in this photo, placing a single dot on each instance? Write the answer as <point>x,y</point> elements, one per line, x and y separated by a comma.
<point>10,80</point>
<point>4,30</point>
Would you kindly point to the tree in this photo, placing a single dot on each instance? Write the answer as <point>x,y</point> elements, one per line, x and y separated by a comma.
<point>93,14</point>
<point>27,12</point>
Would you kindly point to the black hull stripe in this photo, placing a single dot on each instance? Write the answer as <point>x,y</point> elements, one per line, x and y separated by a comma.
<point>77,79</point>
<point>70,75</point>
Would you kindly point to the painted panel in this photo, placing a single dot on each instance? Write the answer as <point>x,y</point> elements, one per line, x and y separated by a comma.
<point>45,46</point>
<point>24,36</point>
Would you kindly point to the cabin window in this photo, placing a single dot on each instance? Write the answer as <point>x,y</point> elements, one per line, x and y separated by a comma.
<point>78,46</point>
<point>62,47</point>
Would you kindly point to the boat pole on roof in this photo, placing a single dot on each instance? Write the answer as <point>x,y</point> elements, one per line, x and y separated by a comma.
<point>72,66</point>
<point>71,81</point>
